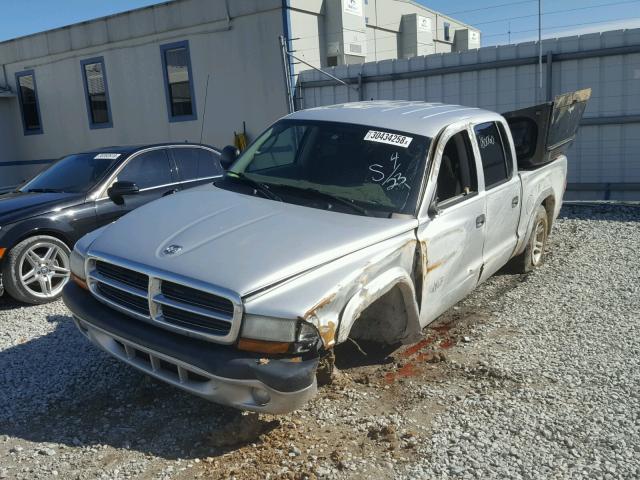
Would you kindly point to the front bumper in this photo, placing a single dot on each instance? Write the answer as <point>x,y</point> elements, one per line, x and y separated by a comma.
<point>219,373</point>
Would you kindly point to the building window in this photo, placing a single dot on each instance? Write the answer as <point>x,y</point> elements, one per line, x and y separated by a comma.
<point>28,97</point>
<point>178,81</point>
<point>447,31</point>
<point>96,92</point>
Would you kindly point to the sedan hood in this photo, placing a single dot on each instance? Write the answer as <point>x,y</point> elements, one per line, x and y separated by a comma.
<point>239,242</point>
<point>17,206</point>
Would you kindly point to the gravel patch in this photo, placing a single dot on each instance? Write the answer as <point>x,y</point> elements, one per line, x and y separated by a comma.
<point>558,396</point>
<point>541,380</point>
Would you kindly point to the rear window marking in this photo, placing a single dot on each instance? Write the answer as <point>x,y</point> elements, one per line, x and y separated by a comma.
<point>107,156</point>
<point>388,138</point>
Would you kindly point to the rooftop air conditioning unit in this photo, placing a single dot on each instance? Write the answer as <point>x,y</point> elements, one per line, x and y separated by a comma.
<point>466,39</point>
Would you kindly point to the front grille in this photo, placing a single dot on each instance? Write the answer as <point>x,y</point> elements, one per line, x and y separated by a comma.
<point>197,298</point>
<point>125,299</point>
<point>193,321</point>
<point>123,275</point>
<point>167,304</point>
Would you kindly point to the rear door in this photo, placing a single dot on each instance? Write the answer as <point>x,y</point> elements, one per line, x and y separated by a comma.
<point>152,172</point>
<point>453,237</point>
<point>503,195</point>
<point>196,165</point>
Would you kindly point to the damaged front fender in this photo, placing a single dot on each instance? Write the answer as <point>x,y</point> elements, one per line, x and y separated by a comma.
<point>332,297</point>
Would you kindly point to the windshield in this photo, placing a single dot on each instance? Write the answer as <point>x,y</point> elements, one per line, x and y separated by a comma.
<point>72,174</point>
<point>374,169</point>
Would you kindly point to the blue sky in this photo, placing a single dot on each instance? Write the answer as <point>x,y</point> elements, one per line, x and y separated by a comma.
<point>573,17</point>
<point>493,17</point>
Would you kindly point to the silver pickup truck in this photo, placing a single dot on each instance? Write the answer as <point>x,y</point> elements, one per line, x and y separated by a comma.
<point>364,220</point>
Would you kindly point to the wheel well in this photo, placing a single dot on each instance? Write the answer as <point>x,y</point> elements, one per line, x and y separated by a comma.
<point>384,321</point>
<point>549,205</point>
<point>50,233</point>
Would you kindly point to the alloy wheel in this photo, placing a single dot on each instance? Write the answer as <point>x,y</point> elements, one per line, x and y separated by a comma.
<point>44,270</point>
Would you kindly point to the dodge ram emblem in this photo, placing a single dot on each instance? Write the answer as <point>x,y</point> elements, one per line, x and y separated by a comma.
<point>172,250</point>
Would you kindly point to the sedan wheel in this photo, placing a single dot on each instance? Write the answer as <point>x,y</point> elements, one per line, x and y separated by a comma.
<point>37,269</point>
<point>44,270</point>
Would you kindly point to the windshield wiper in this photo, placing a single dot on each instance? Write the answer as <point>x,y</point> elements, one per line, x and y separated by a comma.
<point>258,186</point>
<point>327,196</point>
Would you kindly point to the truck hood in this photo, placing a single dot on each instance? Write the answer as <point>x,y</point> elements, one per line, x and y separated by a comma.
<point>239,242</point>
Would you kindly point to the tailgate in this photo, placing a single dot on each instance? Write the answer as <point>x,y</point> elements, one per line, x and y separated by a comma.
<point>543,132</point>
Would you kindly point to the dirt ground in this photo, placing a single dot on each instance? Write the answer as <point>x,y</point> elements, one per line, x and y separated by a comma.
<point>367,422</point>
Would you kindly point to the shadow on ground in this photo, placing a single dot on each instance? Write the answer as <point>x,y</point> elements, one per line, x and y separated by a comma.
<point>8,303</point>
<point>59,388</point>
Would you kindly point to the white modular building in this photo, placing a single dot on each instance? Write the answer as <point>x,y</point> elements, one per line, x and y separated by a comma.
<point>189,70</point>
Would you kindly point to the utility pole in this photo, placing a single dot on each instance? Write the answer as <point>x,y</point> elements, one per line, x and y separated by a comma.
<point>539,49</point>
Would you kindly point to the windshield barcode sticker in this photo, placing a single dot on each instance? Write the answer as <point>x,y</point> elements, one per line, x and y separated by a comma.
<point>389,138</point>
<point>107,156</point>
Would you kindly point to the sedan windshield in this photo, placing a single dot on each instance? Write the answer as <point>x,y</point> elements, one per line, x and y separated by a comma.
<point>353,168</point>
<point>72,174</point>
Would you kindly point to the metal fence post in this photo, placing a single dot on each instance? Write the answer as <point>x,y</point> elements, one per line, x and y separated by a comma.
<point>549,75</point>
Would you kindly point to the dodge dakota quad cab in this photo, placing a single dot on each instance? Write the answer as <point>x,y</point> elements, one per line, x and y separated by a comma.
<point>364,221</point>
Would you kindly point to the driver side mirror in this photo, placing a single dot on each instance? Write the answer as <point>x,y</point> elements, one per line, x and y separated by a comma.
<point>228,155</point>
<point>119,190</point>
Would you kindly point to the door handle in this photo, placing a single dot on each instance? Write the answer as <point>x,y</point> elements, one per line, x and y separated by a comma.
<point>170,192</point>
<point>480,220</point>
<point>514,202</point>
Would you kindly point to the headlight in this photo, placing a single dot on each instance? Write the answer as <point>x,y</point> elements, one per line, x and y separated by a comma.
<point>77,264</point>
<point>276,335</point>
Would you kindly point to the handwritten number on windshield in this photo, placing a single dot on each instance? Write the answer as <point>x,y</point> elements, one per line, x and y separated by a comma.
<point>393,180</point>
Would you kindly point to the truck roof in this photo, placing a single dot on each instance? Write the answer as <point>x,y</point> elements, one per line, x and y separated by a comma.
<point>420,118</point>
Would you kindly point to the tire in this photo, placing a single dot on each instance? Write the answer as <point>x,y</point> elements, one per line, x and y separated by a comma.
<point>36,270</point>
<point>533,255</point>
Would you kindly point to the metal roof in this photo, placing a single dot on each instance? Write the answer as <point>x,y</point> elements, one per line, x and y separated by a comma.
<point>421,118</point>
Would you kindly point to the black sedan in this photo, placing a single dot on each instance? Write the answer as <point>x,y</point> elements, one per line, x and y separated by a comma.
<point>41,221</point>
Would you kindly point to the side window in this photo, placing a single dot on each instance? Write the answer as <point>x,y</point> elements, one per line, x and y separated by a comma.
<point>209,163</point>
<point>148,170</point>
<point>194,163</point>
<point>507,149</point>
<point>178,78</point>
<point>97,93</point>
<point>457,176</point>
<point>277,153</point>
<point>28,97</point>
<point>494,162</point>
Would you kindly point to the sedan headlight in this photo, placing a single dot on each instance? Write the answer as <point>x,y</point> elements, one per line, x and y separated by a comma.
<point>277,335</point>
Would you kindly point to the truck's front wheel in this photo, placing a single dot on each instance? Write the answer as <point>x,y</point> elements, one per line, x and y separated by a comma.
<point>533,255</point>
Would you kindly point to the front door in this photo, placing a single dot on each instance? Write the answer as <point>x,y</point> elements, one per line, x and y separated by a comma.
<point>503,194</point>
<point>152,172</point>
<point>453,237</point>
